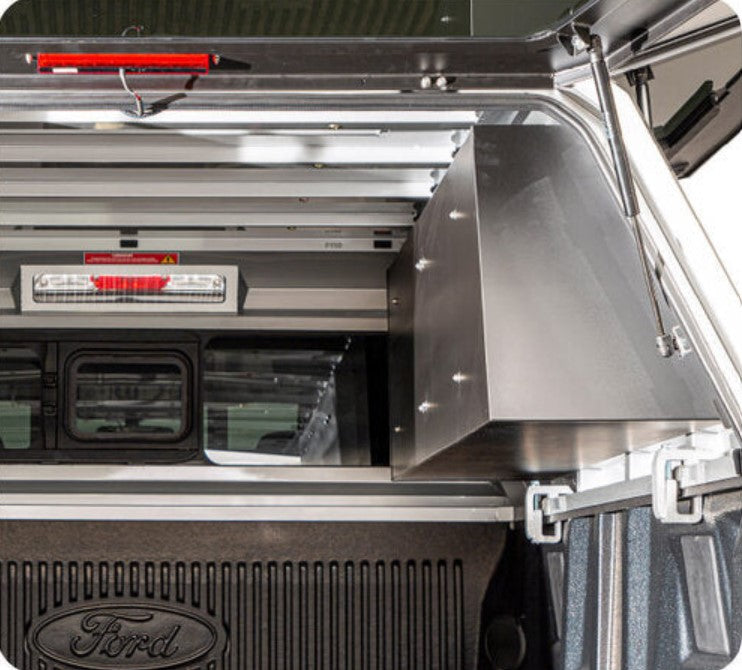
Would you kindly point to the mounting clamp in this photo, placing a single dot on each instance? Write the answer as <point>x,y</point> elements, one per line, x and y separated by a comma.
<point>666,473</point>
<point>537,531</point>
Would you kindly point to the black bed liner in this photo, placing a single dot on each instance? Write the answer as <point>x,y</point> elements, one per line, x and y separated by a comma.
<point>187,595</point>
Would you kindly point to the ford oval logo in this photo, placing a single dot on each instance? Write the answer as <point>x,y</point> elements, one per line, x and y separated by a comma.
<point>141,636</point>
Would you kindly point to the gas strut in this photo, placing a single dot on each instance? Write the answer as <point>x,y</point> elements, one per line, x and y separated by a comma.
<point>583,39</point>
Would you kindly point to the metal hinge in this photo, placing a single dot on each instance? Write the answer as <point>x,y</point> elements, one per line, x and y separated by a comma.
<point>537,530</point>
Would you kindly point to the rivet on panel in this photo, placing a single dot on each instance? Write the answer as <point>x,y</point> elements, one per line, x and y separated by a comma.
<point>423,264</point>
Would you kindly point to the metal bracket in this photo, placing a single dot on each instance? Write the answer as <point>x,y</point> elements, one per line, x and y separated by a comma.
<point>640,79</point>
<point>681,342</point>
<point>666,474</point>
<point>537,531</point>
<point>575,38</point>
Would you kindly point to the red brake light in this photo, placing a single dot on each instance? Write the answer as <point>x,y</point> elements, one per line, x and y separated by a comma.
<point>131,283</point>
<point>104,63</point>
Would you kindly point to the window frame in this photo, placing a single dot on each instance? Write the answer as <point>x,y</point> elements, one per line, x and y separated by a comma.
<point>133,357</point>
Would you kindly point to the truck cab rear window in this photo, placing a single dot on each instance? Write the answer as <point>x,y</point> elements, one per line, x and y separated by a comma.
<point>20,399</point>
<point>115,397</point>
<point>290,402</point>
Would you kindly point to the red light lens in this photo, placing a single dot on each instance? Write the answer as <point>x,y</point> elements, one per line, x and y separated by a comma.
<point>92,63</point>
<point>131,284</point>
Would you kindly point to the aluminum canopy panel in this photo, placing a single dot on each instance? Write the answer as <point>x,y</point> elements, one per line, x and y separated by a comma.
<point>360,147</point>
<point>533,341</point>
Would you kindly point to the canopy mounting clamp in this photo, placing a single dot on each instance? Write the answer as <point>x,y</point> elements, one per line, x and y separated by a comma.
<point>537,530</point>
<point>667,470</point>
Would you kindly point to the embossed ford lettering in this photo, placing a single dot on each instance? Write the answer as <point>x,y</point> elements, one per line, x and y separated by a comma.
<point>146,637</point>
<point>108,636</point>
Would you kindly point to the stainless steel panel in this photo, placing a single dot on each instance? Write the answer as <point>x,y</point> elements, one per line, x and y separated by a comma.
<point>449,323</point>
<point>261,117</point>
<point>534,345</point>
<point>241,493</point>
<point>190,212</point>
<point>329,147</point>
<point>401,298</point>
<point>412,183</point>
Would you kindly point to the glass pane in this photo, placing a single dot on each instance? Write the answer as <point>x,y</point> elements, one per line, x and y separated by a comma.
<point>300,405</point>
<point>288,18</point>
<point>128,398</point>
<point>20,399</point>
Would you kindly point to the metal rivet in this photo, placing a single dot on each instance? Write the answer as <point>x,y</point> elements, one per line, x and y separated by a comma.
<point>456,214</point>
<point>335,126</point>
<point>424,407</point>
<point>395,301</point>
<point>426,82</point>
<point>398,429</point>
<point>446,19</point>
<point>423,264</point>
<point>459,377</point>
<point>441,83</point>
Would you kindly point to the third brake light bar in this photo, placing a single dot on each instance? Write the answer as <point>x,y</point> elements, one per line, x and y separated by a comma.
<point>137,63</point>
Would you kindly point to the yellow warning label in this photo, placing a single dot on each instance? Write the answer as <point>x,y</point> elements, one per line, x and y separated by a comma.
<point>168,259</point>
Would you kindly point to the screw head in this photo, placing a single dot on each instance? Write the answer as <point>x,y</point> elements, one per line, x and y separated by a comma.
<point>424,407</point>
<point>423,264</point>
<point>426,82</point>
<point>578,44</point>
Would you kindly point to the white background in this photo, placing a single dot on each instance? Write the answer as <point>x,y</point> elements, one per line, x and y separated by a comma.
<point>714,191</point>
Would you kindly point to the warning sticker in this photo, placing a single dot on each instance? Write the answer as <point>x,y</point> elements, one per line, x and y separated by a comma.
<point>134,258</point>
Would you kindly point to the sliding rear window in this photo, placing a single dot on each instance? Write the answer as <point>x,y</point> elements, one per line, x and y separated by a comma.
<point>128,396</point>
<point>294,402</point>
